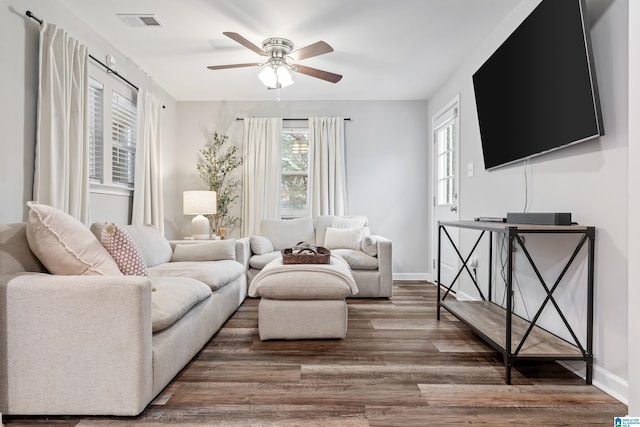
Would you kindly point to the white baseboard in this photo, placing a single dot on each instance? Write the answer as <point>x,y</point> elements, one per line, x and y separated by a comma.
<point>606,381</point>
<point>462,296</point>
<point>411,277</point>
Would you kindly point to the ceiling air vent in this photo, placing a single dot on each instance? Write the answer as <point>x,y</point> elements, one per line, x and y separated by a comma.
<point>139,20</point>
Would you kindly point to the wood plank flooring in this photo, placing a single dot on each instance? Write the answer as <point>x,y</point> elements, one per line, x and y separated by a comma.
<point>398,366</point>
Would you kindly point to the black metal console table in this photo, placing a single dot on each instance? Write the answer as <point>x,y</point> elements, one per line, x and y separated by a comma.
<point>510,334</point>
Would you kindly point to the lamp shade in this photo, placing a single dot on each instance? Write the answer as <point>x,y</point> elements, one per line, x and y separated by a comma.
<point>199,202</point>
<point>275,76</point>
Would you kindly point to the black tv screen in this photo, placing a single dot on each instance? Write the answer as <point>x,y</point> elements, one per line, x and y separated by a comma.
<point>538,91</point>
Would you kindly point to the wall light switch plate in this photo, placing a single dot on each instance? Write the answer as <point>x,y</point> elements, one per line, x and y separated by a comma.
<point>470,169</point>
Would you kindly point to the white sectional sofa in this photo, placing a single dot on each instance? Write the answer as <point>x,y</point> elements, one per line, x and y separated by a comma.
<point>369,256</point>
<point>108,344</point>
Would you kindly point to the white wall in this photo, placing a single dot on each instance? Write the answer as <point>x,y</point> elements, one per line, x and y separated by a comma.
<point>387,164</point>
<point>634,206</point>
<point>19,88</point>
<point>589,180</point>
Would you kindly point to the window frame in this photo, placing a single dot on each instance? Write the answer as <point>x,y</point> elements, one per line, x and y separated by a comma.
<point>445,182</point>
<point>446,124</point>
<point>291,214</point>
<point>110,85</point>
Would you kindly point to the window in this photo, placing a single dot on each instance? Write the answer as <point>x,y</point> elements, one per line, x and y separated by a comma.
<point>446,165</point>
<point>112,129</point>
<point>96,131</point>
<point>123,140</point>
<point>295,173</point>
<point>445,137</point>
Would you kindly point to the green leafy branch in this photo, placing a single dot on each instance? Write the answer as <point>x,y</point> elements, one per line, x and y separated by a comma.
<point>215,165</point>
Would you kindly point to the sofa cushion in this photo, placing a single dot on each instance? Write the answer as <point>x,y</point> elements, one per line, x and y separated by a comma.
<point>327,287</point>
<point>285,233</point>
<point>152,244</point>
<point>357,260</point>
<point>322,222</point>
<point>65,245</point>
<point>172,298</point>
<point>259,261</point>
<point>304,281</point>
<point>123,250</point>
<point>15,254</point>
<point>215,250</point>
<point>260,245</point>
<point>354,221</point>
<point>343,238</point>
<point>215,274</point>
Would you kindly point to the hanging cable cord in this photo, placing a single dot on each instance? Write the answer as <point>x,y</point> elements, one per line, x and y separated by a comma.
<point>503,267</point>
<point>93,58</point>
<point>526,187</point>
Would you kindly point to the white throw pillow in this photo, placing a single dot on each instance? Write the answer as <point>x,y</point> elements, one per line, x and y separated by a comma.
<point>369,245</point>
<point>260,245</point>
<point>343,238</point>
<point>66,246</point>
<point>216,250</point>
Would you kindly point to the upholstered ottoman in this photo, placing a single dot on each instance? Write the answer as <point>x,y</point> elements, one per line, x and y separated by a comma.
<point>303,301</point>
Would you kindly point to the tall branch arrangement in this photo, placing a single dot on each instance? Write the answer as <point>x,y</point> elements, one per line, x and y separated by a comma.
<point>216,162</point>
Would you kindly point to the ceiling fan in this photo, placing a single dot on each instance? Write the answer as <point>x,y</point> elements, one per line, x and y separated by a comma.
<point>281,58</point>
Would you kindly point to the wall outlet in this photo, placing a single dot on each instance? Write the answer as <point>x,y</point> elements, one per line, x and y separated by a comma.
<point>470,169</point>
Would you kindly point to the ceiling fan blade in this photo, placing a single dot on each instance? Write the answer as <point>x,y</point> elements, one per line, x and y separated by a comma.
<point>315,49</point>
<point>222,67</point>
<point>319,74</point>
<point>244,42</point>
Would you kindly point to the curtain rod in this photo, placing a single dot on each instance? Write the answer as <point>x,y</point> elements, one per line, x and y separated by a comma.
<point>346,119</point>
<point>109,69</point>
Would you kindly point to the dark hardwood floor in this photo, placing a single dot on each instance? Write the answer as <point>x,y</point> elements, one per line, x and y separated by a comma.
<point>398,366</point>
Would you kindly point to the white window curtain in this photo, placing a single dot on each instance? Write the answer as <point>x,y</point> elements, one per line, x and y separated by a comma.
<point>61,175</point>
<point>327,170</point>
<point>147,195</point>
<point>261,183</point>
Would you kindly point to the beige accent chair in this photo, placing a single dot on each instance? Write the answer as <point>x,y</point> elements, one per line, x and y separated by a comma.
<point>369,256</point>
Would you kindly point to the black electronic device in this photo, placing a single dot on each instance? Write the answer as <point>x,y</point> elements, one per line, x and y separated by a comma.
<point>490,219</point>
<point>539,218</point>
<point>537,92</point>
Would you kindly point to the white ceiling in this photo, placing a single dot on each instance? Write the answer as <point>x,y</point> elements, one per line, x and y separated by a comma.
<point>385,49</point>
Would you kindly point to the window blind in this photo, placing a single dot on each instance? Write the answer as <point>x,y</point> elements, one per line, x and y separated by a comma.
<point>123,136</point>
<point>96,131</point>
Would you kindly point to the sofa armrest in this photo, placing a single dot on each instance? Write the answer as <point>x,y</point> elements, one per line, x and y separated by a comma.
<point>75,344</point>
<point>385,264</point>
<point>243,251</point>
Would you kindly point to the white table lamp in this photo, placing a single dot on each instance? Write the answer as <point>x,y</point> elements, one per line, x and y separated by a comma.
<point>199,203</point>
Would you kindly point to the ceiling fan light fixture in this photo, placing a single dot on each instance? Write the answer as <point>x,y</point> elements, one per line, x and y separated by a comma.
<point>268,77</point>
<point>284,77</point>
<point>275,76</point>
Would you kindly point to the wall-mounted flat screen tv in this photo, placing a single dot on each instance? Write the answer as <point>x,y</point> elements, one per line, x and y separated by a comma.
<point>537,92</point>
